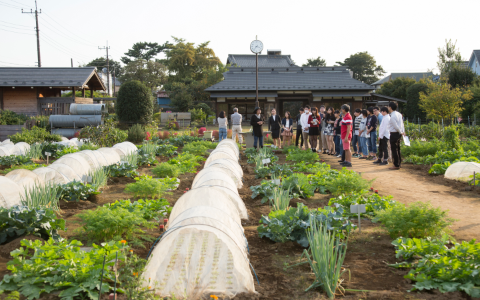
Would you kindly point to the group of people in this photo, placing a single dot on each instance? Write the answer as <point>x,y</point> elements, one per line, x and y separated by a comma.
<point>332,131</point>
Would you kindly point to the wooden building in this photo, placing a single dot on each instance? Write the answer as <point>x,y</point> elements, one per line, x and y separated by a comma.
<point>285,87</point>
<point>37,91</point>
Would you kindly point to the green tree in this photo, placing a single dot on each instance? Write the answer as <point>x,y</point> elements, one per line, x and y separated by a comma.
<point>472,107</point>
<point>315,62</point>
<point>114,66</point>
<point>144,51</point>
<point>396,88</point>
<point>462,77</point>
<point>441,101</point>
<point>134,103</point>
<point>448,57</point>
<point>180,96</point>
<point>151,73</point>
<point>187,61</point>
<point>364,67</point>
<point>412,110</point>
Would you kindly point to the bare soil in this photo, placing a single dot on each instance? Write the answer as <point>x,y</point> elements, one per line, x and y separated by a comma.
<point>368,254</point>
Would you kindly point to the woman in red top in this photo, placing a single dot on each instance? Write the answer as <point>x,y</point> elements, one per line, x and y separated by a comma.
<point>314,121</point>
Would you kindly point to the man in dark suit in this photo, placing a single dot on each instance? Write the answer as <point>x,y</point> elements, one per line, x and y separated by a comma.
<point>299,129</point>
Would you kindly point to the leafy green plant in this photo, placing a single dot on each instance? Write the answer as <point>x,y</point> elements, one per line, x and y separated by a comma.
<point>148,208</point>
<point>35,135</point>
<point>298,155</point>
<point>148,148</point>
<point>76,191</point>
<point>311,168</point>
<point>166,150</point>
<point>42,196</point>
<point>146,159</point>
<point>134,287</point>
<point>88,146</point>
<point>136,134</point>
<point>64,151</point>
<point>105,135</point>
<point>104,224</point>
<point>146,186</point>
<point>281,198</point>
<point>290,225</point>
<point>35,151</point>
<point>450,135</point>
<point>39,268</point>
<point>124,169</point>
<point>195,149</point>
<point>439,169</point>
<point>373,202</point>
<point>20,220</point>
<point>265,189</point>
<point>263,153</point>
<point>12,160</point>
<point>418,220</point>
<point>8,117</point>
<point>52,148</point>
<point>299,184</point>
<point>26,167</point>
<point>166,170</point>
<point>437,266</point>
<point>325,256</point>
<point>274,170</point>
<point>132,158</point>
<point>187,162</point>
<point>99,177</point>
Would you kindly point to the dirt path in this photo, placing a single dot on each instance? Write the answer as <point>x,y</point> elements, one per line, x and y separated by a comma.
<point>409,184</point>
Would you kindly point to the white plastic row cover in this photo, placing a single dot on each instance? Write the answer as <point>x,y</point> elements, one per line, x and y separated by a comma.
<point>204,250</point>
<point>8,148</point>
<point>68,168</point>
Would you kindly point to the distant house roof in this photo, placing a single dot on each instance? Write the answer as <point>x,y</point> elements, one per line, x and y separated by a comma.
<point>386,98</point>
<point>85,77</point>
<point>475,54</point>
<point>162,94</point>
<point>289,79</point>
<point>264,61</point>
<point>416,76</point>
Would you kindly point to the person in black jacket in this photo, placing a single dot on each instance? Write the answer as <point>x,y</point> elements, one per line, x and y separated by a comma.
<point>299,129</point>
<point>274,124</point>
<point>257,123</point>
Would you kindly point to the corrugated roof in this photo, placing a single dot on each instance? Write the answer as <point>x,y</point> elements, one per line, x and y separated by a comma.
<point>264,61</point>
<point>289,79</point>
<point>341,94</point>
<point>416,76</point>
<point>51,77</point>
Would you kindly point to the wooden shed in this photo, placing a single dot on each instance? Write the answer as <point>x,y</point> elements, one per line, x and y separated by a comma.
<point>38,91</point>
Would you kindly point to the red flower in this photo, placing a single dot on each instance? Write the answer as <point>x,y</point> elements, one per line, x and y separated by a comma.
<point>148,136</point>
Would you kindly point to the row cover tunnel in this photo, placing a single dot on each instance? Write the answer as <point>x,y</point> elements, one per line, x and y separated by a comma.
<point>204,250</point>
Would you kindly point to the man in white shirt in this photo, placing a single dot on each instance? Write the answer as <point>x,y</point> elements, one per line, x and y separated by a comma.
<point>305,126</point>
<point>383,138</point>
<point>236,119</point>
<point>395,126</point>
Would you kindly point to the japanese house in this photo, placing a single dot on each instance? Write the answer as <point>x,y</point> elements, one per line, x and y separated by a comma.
<point>37,91</point>
<point>284,86</point>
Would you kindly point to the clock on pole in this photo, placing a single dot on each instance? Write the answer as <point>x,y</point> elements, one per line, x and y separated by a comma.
<point>256,47</point>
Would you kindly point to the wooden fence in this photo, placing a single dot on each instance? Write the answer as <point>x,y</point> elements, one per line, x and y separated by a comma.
<point>7,130</point>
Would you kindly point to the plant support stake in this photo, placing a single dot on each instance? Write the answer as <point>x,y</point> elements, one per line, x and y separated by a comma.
<point>101,278</point>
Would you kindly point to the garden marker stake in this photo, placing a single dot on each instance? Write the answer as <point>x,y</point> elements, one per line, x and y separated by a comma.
<point>116,275</point>
<point>358,209</point>
<point>101,278</point>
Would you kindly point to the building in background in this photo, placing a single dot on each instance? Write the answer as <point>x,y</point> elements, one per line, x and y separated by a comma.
<point>37,91</point>
<point>417,76</point>
<point>105,77</point>
<point>474,62</point>
<point>163,100</point>
<point>284,86</point>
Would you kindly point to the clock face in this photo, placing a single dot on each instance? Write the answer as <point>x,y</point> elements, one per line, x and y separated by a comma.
<point>256,46</point>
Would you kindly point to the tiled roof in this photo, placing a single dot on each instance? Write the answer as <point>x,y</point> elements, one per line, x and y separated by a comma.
<point>289,79</point>
<point>264,61</point>
<point>50,77</point>
<point>416,76</point>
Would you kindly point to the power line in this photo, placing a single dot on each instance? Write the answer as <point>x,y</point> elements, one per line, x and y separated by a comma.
<point>63,27</point>
<point>17,32</point>
<point>22,3</point>
<point>10,5</point>
<point>61,47</point>
<point>15,64</point>
<point>18,28</point>
<point>61,33</point>
<point>15,24</point>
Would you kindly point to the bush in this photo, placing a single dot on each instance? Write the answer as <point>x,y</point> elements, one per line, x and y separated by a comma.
<point>201,130</point>
<point>105,135</point>
<point>166,170</point>
<point>134,103</point>
<point>412,110</point>
<point>35,135</point>
<point>450,135</point>
<point>172,125</point>
<point>215,134</point>
<point>8,117</point>
<point>136,134</point>
<point>148,187</point>
<point>166,135</point>
<point>347,181</point>
<point>20,220</point>
<point>419,220</point>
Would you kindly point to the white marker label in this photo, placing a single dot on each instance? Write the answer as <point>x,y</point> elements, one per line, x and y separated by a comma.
<point>48,153</point>
<point>266,161</point>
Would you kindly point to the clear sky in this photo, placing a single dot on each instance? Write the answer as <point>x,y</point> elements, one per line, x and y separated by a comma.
<point>403,36</point>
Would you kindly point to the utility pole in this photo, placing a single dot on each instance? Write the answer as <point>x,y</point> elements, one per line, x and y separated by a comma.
<point>38,31</point>
<point>108,69</point>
